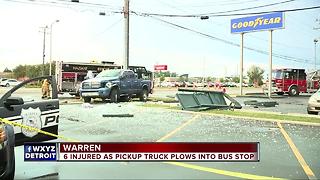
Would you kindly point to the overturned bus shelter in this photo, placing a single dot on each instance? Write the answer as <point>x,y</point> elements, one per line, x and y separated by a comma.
<point>198,100</point>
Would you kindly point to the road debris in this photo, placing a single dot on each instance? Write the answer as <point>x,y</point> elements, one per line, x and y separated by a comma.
<point>197,100</point>
<point>117,115</point>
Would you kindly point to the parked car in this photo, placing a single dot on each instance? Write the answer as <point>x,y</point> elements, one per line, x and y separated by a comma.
<point>9,82</point>
<point>113,84</point>
<point>243,85</point>
<point>168,84</point>
<point>42,114</point>
<point>3,79</point>
<point>314,103</point>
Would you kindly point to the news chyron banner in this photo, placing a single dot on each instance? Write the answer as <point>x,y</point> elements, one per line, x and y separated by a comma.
<point>143,151</point>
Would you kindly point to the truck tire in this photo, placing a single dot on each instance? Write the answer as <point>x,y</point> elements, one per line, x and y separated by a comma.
<point>7,85</point>
<point>294,91</point>
<point>114,95</point>
<point>87,99</point>
<point>144,95</point>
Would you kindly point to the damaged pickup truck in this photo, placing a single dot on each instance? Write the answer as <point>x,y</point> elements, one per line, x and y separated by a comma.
<point>115,83</point>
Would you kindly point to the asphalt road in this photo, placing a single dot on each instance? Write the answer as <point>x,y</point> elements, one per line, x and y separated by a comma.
<point>151,124</point>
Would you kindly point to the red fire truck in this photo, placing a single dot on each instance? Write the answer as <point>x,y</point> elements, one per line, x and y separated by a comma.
<point>294,81</point>
<point>69,75</point>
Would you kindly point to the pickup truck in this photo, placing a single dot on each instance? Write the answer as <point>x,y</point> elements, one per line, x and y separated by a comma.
<point>115,83</point>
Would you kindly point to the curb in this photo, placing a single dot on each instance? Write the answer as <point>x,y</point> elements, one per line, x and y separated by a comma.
<point>249,118</point>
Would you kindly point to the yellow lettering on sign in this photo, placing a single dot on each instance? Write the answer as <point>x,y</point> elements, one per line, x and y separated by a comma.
<point>266,21</point>
<point>257,21</point>
<point>240,25</point>
<point>277,20</point>
<point>251,23</point>
<point>234,25</point>
<point>245,24</point>
<point>271,21</point>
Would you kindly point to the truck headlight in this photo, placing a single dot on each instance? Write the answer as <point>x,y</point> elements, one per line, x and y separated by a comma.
<point>109,85</point>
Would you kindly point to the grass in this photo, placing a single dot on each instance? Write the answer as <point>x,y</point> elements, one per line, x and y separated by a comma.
<point>239,113</point>
<point>165,100</point>
<point>164,106</point>
<point>264,115</point>
<point>33,86</point>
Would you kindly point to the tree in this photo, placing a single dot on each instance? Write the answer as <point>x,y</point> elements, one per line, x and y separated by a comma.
<point>32,71</point>
<point>222,80</point>
<point>236,79</point>
<point>19,71</point>
<point>162,78</point>
<point>255,75</point>
<point>6,70</point>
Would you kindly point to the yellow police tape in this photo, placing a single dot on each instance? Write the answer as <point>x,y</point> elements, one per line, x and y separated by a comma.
<point>35,129</point>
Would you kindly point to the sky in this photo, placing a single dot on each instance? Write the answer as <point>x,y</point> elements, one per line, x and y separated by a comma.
<point>82,35</point>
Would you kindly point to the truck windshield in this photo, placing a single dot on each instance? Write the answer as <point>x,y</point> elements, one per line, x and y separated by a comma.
<point>277,74</point>
<point>110,73</point>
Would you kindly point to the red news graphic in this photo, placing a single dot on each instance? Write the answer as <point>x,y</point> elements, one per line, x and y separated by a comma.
<point>247,151</point>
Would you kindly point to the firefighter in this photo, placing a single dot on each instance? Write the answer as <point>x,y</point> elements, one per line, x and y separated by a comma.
<point>45,89</point>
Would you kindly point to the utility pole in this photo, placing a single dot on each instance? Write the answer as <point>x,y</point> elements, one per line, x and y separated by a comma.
<point>315,54</point>
<point>44,48</point>
<point>50,65</point>
<point>126,34</point>
<point>241,64</point>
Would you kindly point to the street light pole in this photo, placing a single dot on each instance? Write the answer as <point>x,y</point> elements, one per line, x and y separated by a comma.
<point>315,54</point>
<point>50,65</point>
<point>44,48</point>
<point>126,34</point>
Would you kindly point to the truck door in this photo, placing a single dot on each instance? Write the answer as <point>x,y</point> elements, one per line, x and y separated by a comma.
<point>30,110</point>
<point>126,83</point>
<point>302,76</point>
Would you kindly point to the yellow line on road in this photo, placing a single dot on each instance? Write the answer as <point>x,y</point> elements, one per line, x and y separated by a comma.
<point>177,129</point>
<point>207,169</point>
<point>221,172</point>
<point>296,152</point>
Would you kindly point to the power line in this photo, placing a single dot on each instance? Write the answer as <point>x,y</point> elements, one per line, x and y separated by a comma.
<point>64,3</point>
<point>256,7</point>
<point>225,15</point>
<point>284,57</point>
<point>222,3</point>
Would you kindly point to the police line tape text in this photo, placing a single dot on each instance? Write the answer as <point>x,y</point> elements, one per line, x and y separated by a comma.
<point>158,156</point>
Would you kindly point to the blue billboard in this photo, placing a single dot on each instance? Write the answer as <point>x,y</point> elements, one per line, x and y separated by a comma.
<point>258,23</point>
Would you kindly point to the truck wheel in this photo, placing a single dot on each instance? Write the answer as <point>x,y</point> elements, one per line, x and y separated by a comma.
<point>312,112</point>
<point>294,91</point>
<point>280,93</point>
<point>144,95</point>
<point>114,96</point>
<point>7,85</point>
<point>87,99</point>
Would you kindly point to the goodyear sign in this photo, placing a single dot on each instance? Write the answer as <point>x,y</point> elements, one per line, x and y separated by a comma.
<point>258,23</point>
